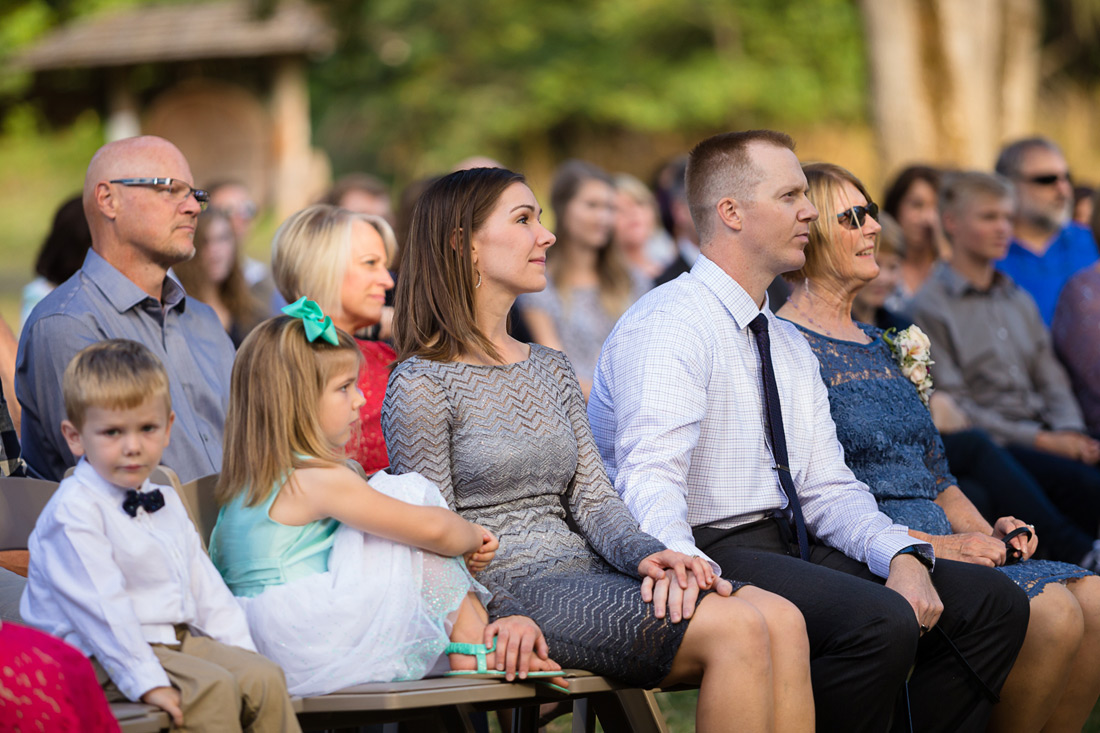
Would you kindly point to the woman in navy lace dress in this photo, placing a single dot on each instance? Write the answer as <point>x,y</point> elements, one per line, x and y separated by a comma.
<point>891,445</point>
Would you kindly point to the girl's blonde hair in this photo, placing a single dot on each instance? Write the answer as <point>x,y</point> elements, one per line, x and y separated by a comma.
<point>309,252</point>
<point>272,424</point>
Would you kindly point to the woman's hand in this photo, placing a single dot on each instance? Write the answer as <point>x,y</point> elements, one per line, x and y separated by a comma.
<point>673,580</point>
<point>480,558</point>
<point>1005,525</point>
<point>971,547</point>
<point>517,637</point>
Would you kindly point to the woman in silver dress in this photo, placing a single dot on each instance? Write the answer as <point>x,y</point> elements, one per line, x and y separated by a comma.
<point>501,427</point>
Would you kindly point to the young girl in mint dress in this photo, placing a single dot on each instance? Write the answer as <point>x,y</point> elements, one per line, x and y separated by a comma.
<point>342,581</point>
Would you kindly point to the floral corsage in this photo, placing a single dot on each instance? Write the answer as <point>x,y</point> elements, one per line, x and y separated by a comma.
<point>912,350</point>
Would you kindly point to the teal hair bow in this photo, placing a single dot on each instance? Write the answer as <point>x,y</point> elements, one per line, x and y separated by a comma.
<point>316,323</point>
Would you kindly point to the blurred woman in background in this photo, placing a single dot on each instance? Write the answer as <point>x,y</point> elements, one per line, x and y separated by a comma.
<point>912,200</point>
<point>589,286</point>
<point>644,244</point>
<point>215,276</point>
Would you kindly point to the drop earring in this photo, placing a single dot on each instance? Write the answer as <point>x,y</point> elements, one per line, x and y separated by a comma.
<point>478,284</point>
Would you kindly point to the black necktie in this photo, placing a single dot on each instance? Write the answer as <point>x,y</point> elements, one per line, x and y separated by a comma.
<point>773,413</point>
<point>150,501</point>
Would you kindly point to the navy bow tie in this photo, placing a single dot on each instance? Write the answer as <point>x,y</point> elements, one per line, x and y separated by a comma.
<point>150,501</point>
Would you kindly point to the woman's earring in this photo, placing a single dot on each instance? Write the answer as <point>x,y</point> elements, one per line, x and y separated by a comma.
<point>478,285</point>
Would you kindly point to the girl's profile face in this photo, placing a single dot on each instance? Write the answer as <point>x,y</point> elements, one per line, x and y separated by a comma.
<point>589,217</point>
<point>341,399</point>
<point>509,249</point>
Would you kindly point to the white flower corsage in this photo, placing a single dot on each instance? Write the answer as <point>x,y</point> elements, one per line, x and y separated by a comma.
<point>912,350</point>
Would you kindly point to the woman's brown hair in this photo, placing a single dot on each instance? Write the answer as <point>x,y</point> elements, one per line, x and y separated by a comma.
<point>614,276</point>
<point>434,316</point>
<point>244,309</point>
<point>272,426</point>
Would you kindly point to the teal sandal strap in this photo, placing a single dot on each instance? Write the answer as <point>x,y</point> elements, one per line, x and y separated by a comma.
<point>472,650</point>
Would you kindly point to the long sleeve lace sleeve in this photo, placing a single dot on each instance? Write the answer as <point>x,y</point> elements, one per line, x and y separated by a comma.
<point>594,505</point>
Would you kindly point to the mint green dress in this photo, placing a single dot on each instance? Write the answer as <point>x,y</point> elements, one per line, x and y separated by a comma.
<point>337,607</point>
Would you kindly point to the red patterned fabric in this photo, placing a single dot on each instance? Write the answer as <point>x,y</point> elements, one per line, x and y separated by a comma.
<point>367,446</point>
<point>47,685</point>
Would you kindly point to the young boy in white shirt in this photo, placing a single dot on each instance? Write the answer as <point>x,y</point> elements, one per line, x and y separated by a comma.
<point>118,570</point>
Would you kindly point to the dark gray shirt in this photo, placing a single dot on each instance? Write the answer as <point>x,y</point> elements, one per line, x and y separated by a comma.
<point>98,303</point>
<point>993,355</point>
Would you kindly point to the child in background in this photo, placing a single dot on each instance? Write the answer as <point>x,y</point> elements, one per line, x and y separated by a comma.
<point>343,582</point>
<point>118,570</point>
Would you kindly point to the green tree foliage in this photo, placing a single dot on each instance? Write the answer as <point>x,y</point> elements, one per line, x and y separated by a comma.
<point>424,82</point>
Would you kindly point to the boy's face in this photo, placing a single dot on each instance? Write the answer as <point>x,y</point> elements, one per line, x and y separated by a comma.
<point>123,446</point>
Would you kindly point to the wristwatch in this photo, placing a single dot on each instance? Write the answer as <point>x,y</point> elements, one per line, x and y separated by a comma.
<point>915,552</point>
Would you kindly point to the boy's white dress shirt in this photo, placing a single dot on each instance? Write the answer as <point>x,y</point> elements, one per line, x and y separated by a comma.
<point>111,584</point>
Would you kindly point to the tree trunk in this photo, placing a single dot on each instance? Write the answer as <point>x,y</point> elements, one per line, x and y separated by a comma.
<point>950,80</point>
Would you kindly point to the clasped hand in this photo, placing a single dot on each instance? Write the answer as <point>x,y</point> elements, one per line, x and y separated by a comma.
<point>480,558</point>
<point>672,580</point>
<point>987,549</point>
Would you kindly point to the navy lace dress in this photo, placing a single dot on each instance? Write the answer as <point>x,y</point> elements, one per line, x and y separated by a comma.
<point>892,446</point>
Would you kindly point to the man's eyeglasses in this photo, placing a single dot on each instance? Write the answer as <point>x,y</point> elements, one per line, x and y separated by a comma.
<point>854,217</point>
<point>1048,179</point>
<point>177,190</point>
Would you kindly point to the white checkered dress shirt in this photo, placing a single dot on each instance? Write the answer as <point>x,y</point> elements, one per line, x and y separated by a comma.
<point>677,411</point>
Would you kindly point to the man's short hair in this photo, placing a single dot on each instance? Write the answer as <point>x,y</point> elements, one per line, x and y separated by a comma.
<point>720,166</point>
<point>1012,155</point>
<point>116,374</point>
<point>959,188</point>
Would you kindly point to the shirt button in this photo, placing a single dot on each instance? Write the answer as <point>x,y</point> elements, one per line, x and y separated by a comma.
<point>1002,333</point>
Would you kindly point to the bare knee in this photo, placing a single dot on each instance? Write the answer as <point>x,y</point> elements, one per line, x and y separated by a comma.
<point>733,627</point>
<point>1087,592</point>
<point>1056,620</point>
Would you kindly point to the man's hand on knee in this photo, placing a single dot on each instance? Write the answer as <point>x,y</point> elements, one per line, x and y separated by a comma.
<point>910,578</point>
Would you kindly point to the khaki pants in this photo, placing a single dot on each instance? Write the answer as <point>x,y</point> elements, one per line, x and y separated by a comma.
<point>222,688</point>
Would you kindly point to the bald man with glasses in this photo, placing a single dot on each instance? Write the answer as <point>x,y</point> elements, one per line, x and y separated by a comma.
<point>1047,246</point>
<point>142,209</point>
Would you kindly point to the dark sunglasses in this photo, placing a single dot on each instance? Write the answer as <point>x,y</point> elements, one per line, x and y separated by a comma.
<point>855,217</point>
<point>1049,179</point>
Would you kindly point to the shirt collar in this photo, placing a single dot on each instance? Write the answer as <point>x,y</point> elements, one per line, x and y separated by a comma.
<point>121,291</point>
<point>957,285</point>
<point>88,477</point>
<point>740,305</point>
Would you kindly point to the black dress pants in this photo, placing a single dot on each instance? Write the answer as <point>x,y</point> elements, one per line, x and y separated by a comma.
<point>1074,487</point>
<point>864,637</point>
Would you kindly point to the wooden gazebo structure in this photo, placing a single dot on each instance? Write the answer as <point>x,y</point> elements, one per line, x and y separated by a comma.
<point>228,86</point>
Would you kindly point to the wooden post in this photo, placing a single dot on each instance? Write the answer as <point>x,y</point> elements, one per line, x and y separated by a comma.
<point>122,107</point>
<point>291,151</point>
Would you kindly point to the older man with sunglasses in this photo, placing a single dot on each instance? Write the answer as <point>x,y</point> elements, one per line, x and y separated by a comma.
<point>141,209</point>
<point>1047,247</point>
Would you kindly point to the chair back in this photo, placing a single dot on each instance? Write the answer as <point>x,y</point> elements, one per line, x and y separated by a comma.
<point>198,497</point>
<point>21,501</point>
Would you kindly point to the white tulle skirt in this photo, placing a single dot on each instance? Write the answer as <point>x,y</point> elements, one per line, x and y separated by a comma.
<point>381,612</point>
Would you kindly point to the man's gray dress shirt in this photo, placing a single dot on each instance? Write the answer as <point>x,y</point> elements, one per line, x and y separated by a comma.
<point>98,303</point>
<point>993,355</point>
